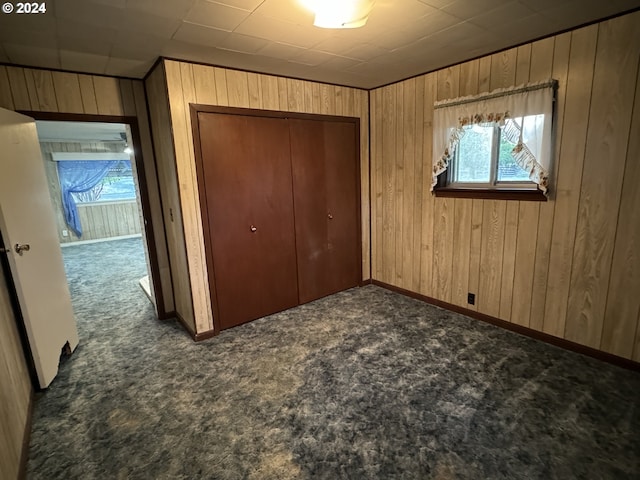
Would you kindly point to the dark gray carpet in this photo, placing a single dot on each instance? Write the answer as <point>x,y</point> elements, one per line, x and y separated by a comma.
<point>365,384</point>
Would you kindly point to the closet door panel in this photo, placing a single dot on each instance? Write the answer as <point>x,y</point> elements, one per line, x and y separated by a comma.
<point>247,176</point>
<point>325,186</point>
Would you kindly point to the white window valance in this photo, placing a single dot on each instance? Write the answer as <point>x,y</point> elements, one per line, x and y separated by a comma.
<point>526,114</point>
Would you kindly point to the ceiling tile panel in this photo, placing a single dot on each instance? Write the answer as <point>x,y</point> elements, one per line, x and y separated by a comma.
<point>148,23</point>
<point>89,13</point>
<point>250,5</point>
<point>32,56</point>
<point>176,9</point>
<point>86,62</point>
<point>123,67</point>
<point>281,50</point>
<point>289,11</point>
<point>216,15</point>
<point>501,15</point>
<point>401,38</point>
<point>199,35</point>
<point>243,43</point>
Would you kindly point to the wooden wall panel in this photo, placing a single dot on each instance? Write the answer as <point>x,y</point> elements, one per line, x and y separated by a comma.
<point>187,83</point>
<point>168,180</point>
<point>15,389</point>
<point>571,143</point>
<point>614,80</point>
<point>567,266</point>
<point>40,90</point>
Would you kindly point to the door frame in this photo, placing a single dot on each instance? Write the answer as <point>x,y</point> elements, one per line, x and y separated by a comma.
<point>145,202</point>
<point>195,109</point>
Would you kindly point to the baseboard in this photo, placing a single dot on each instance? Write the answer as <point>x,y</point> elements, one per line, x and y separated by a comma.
<point>528,332</point>
<point>199,337</point>
<point>26,439</point>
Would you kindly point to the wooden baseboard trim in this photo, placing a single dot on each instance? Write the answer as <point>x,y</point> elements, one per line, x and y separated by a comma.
<point>199,337</point>
<point>167,315</point>
<point>528,332</point>
<point>26,439</point>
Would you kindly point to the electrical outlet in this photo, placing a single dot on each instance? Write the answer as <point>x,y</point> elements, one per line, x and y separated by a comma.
<point>65,233</point>
<point>471,298</point>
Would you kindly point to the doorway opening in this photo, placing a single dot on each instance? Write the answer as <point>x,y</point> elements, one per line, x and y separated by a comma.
<point>95,190</point>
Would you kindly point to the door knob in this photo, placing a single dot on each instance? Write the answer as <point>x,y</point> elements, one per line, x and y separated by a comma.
<point>253,229</point>
<point>20,248</point>
<point>330,217</point>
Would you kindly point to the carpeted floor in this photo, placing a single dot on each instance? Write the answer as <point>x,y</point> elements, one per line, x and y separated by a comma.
<point>365,384</point>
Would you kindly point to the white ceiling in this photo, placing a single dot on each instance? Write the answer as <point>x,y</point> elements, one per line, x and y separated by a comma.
<point>402,37</point>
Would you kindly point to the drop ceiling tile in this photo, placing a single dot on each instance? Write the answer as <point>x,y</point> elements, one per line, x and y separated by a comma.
<point>395,39</point>
<point>464,9</point>
<point>35,39</point>
<point>501,15</point>
<point>340,63</point>
<point>90,13</point>
<point>456,33</point>
<point>434,22</point>
<point>216,15</point>
<point>85,62</point>
<point>312,57</point>
<point>284,32</point>
<point>436,3</point>
<point>137,46</point>
<point>149,23</point>
<point>200,35</point>
<point>122,67</point>
<point>36,56</point>
<point>250,5</point>
<point>288,11</point>
<point>336,45</point>
<point>29,23</point>
<point>81,32</point>
<point>280,50</point>
<point>366,51</point>
<point>86,45</point>
<point>176,9</point>
<point>243,43</point>
<point>386,14</point>
<point>185,50</point>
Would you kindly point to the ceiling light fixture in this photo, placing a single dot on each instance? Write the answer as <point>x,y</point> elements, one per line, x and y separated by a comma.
<point>340,13</point>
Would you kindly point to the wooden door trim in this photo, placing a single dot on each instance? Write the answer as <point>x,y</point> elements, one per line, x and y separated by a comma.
<point>195,109</point>
<point>252,112</point>
<point>145,202</point>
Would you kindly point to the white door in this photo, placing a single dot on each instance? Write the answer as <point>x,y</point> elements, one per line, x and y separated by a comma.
<point>27,218</point>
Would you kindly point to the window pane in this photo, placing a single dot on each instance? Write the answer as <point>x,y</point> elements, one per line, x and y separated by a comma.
<point>508,169</point>
<point>116,185</point>
<point>473,159</point>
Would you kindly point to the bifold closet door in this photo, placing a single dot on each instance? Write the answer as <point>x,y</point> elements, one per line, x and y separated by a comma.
<point>326,197</point>
<point>247,177</point>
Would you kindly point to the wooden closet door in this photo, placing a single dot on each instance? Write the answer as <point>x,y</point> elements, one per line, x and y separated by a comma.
<point>247,177</point>
<point>326,199</point>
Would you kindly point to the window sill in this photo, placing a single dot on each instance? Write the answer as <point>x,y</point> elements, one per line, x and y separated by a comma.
<point>491,194</point>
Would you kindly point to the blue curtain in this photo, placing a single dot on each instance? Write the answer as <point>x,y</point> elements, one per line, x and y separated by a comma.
<point>79,176</point>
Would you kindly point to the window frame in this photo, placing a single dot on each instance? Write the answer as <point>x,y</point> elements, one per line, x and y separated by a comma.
<point>495,189</point>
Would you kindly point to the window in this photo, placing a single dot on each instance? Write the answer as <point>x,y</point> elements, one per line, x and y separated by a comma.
<point>484,158</point>
<point>496,142</point>
<point>116,185</point>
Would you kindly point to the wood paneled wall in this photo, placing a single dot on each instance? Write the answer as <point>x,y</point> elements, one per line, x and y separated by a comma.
<point>156,87</point>
<point>104,220</point>
<point>15,390</point>
<point>187,83</point>
<point>27,89</point>
<point>569,267</point>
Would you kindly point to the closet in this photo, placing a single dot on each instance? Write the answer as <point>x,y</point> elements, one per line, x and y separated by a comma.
<point>279,196</point>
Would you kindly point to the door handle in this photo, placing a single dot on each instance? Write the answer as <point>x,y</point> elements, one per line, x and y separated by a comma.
<point>253,229</point>
<point>20,248</point>
<point>330,217</point>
